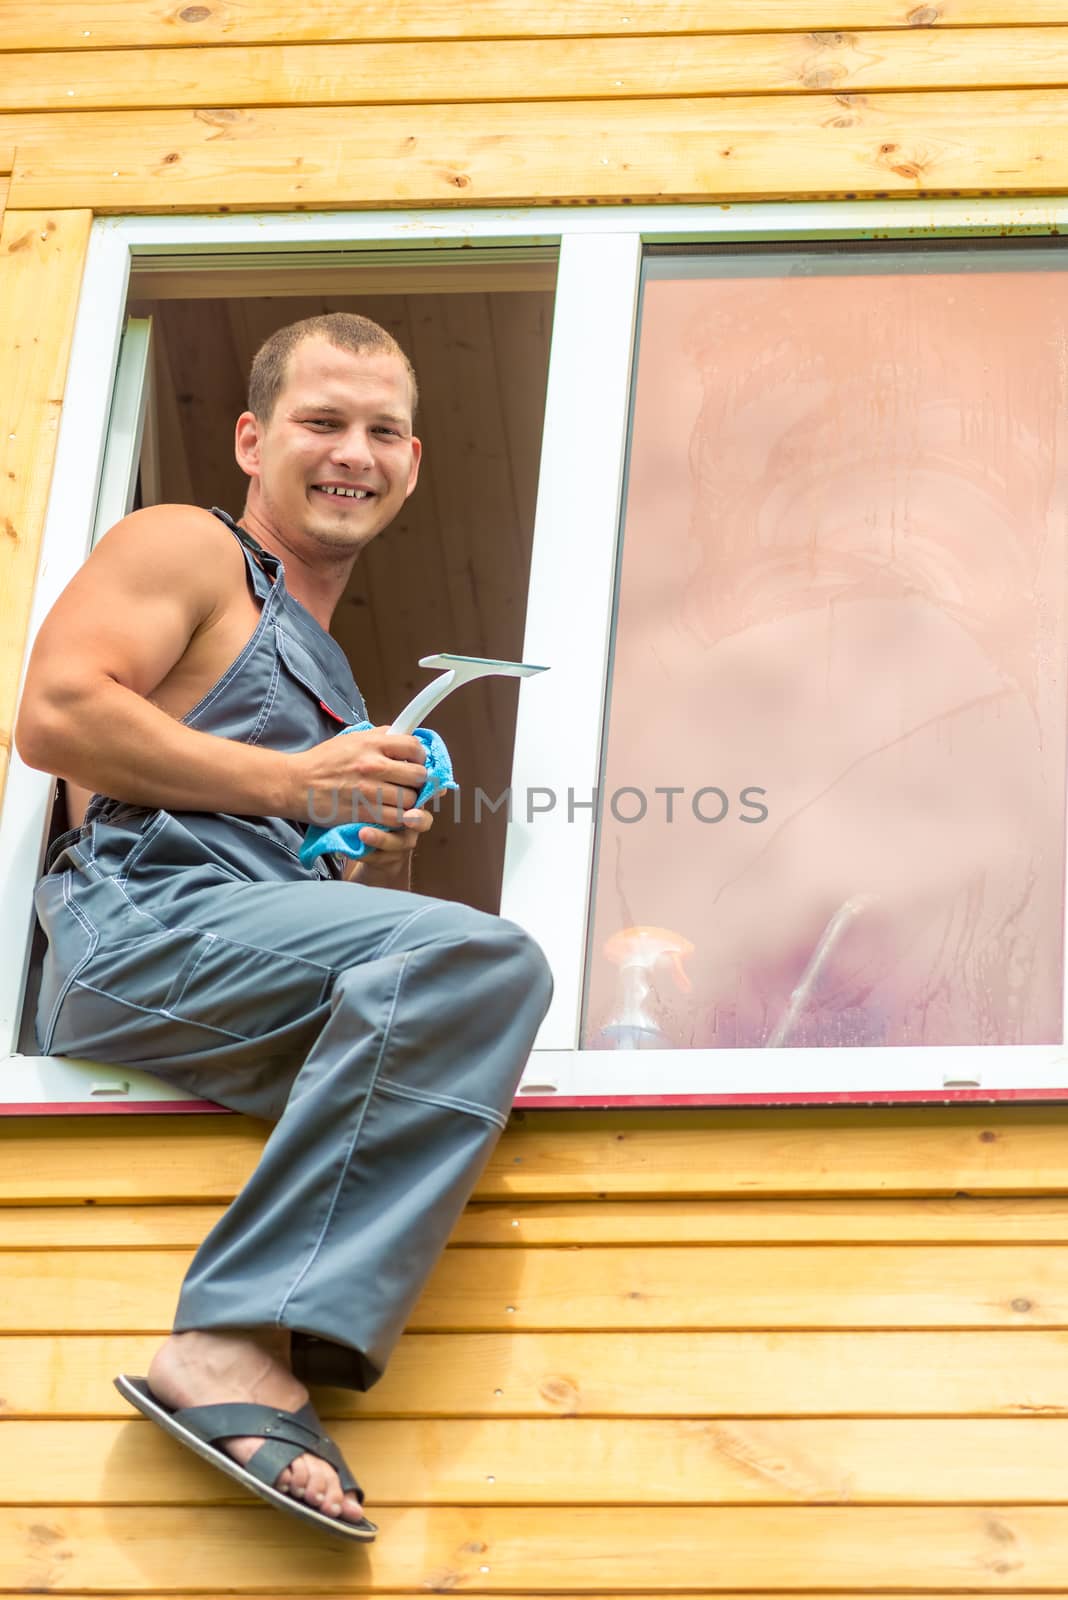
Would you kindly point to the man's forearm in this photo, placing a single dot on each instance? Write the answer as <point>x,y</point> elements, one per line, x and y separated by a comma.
<point>111,740</point>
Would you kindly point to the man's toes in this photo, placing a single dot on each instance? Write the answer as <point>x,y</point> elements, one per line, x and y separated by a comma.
<point>330,1490</point>
<point>351,1508</point>
<point>298,1477</point>
<point>319,1482</point>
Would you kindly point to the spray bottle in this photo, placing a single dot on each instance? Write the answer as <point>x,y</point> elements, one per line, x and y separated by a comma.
<point>637,952</point>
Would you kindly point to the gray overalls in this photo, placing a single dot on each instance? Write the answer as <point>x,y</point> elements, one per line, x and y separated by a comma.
<point>383,1032</point>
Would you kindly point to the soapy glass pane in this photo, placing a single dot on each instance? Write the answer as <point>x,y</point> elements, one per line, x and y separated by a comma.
<point>840,638</point>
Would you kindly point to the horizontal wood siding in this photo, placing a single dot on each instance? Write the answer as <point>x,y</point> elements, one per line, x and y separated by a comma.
<point>738,147</point>
<point>734,1354</point>
<point>535,69</point>
<point>96,24</point>
<point>805,1394</point>
<point>128,107</point>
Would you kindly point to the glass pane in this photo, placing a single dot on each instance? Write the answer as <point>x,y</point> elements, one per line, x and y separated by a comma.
<point>841,639</point>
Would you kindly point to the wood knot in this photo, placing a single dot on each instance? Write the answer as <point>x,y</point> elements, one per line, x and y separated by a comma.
<point>823,41</point>
<point>41,1533</point>
<point>459,180</point>
<point>560,1393</point>
<point>822,75</point>
<point>988,1136</point>
<point>923,17</point>
<point>194,14</point>
<point>174,156</point>
<point>1022,1304</point>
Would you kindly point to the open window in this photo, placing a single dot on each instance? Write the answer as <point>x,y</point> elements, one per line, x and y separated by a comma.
<point>777,494</point>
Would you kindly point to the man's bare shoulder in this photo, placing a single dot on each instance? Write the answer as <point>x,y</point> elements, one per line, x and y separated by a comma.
<point>172,540</point>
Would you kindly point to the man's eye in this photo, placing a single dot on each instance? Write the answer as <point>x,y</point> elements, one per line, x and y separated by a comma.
<point>321,422</point>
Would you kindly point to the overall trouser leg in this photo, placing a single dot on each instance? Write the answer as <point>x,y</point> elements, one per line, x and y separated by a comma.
<point>388,1125</point>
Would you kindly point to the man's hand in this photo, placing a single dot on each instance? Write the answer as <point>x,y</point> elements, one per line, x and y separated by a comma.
<point>374,776</point>
<point>391,865</point>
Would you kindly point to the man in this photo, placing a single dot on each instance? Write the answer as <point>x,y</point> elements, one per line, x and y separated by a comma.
<point>187,679</point>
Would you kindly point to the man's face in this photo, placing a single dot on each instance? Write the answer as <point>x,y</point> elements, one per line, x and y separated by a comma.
<point>337,459</point>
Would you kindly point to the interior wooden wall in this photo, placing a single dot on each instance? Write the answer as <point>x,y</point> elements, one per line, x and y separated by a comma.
<point>733,1354</point>
<point>451,572</point>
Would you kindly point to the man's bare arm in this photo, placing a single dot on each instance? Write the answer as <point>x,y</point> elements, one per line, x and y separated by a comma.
<point>118,629</point>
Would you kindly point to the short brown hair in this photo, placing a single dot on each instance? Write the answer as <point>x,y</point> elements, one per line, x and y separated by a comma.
<point>342,329</point>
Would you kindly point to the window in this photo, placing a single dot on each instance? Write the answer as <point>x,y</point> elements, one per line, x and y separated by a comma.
<point>788,813</point>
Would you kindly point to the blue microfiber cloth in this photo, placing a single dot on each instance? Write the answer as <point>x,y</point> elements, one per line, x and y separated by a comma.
<point>343,838</point>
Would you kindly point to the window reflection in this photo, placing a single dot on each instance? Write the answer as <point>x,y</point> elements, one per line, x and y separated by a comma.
<point>842,599</point>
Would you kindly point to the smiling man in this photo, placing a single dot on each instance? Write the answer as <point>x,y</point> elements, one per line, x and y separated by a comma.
<point>186,679</point>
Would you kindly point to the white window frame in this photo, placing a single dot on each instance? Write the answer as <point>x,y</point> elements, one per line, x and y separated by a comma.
<point>549,856</point>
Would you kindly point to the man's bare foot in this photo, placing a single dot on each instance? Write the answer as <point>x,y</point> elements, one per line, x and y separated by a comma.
<point>201,1369</point>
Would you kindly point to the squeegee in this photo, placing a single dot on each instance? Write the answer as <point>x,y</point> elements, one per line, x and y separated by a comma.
<point>457,670</point>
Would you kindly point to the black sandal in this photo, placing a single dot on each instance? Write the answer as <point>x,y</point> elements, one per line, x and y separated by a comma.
<point>288,1434</point>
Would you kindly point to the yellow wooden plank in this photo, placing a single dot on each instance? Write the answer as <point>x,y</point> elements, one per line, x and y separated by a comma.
<point>674,1222</point>
<point>697,1287</point>
<point>874,1151</point>
<point>596,1462</point>
<point>582,1222</point>
<point>727,148</point>
<point>535,69</point>
<point>7,157</point>
<point>41,260</point>
<point>752,1374</point>
<point>583,1550</point>
<point>70,24</point>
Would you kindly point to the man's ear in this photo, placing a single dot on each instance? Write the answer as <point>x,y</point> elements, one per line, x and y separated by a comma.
<point>417,456</point>
<point>247,444</point>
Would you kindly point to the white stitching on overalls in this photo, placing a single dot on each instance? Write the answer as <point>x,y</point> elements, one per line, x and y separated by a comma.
<point>448,1102</point>
<point>79,966</point>
<point>157,1011</point>
<point>176,999</point>
<point>268,704</point>
<point>267,610</point>
<point>392,937</point>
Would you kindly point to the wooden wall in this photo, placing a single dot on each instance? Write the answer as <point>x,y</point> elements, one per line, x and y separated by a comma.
<point>820,1353</point>
<point>719,1353</point>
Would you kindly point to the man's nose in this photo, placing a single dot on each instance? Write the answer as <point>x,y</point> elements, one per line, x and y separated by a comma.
<point>353,449</point>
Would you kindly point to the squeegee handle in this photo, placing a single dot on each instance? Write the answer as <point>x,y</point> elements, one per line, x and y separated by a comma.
<point>428,697</point>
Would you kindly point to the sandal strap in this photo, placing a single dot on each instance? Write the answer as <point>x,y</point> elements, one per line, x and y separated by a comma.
<point>238,1418</point>
<point>274,1456</point>
<point>287,1435</point>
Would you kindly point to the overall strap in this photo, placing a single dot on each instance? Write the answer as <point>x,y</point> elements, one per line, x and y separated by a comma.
<point>268,563</point>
